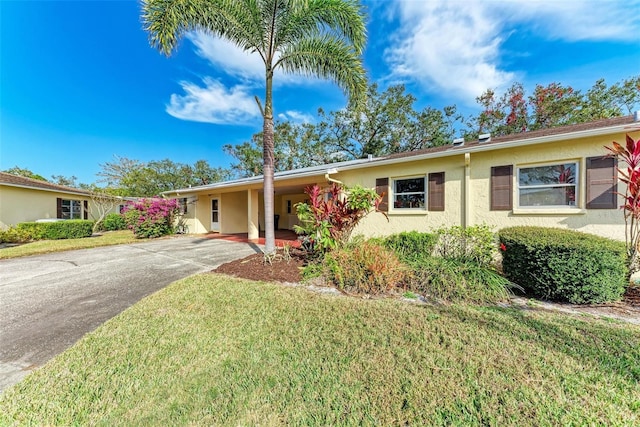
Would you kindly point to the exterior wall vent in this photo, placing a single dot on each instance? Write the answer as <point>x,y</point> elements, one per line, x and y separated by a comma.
<point>485,137</point>
<point>458,142</point>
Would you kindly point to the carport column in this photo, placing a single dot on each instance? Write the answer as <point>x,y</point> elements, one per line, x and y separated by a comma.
<point>466,222</point>
<point>252,215</point>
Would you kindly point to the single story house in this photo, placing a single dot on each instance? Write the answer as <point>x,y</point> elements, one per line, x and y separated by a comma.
<point>25,199</point>
<point>560,177</point>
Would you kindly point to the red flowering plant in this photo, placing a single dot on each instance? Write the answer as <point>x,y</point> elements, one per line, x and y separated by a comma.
<point>149,218</point>
<point>630,177</point>
<point>330,216</point>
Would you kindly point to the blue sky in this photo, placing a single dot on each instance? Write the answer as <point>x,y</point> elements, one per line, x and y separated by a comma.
<point>79,83</point>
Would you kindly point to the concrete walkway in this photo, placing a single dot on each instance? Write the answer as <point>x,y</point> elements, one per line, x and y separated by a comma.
<point>48,302</point>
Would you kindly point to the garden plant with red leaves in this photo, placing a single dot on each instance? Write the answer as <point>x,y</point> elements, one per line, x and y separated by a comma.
<point>630,176</point>
<point>331,215</point>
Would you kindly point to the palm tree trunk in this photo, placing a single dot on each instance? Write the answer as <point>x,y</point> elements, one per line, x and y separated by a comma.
<point>268,158</point>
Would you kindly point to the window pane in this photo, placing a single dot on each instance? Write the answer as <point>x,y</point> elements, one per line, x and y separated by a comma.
<point>215,216</point>
<point>548,175</point>
<point>413,185</point>
<point>214,204</point>
<point>551,196</point>
<point>409,201</point>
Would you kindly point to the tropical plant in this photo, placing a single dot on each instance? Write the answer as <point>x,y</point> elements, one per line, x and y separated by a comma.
<point>149,218</point>
<point>321,38</point>
<point>630,177</point>
<point>331,215</point>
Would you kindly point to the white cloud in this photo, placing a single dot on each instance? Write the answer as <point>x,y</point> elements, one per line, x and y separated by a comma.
<point>580,20</point>
<point>214,103</point>
<point>296,116</point>
<point>448,47</point>
<point>230,59</point>
<point>455,46</point>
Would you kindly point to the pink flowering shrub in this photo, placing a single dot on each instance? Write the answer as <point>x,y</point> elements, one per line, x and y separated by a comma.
<point>150,218</point>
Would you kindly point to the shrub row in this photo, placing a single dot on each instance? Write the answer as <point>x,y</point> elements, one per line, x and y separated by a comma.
<point>460,264</point>
<point>564,265</point>
<point>27,231</point>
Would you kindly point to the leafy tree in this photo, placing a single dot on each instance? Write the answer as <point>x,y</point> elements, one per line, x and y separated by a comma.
<point>25,173</point>
<point>387,124</point>
<point>68,181</point>
<point>295,146</point>
<point>313,37</point>
<point>552,105</point>
<point>135,178</point>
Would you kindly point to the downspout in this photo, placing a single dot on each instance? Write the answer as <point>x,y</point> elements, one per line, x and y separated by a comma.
<point>466,219</point>
<point>329,179</point>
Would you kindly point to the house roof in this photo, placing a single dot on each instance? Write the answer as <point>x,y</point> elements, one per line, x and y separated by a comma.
<point>595,128</point>
<point>22,182</point>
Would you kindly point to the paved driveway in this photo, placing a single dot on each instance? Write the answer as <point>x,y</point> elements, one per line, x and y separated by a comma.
<point>48,302</point>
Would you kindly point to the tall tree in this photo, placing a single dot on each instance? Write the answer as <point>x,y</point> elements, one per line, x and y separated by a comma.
<point>25,173</point>
<point>388,124</point>
<point>295,146</point>
<point>134,178</point>
<point>323,38</point>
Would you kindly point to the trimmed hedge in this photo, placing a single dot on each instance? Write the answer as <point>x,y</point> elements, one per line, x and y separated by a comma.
<point>564,265</point>
<point>69,229</point>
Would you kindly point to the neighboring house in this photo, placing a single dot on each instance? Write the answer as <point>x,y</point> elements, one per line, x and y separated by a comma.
<point>25,199</point>
<point>560,177</point>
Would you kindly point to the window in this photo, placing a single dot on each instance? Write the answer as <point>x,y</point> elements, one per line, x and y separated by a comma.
<point>548,185</point>
<point>70,209</point>
<point>409,193</point>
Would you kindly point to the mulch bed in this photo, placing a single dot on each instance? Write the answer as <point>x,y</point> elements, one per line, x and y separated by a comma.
<point>254,267</point>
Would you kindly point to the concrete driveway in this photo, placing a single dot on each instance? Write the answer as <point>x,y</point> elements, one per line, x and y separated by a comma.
<point>48,302</point>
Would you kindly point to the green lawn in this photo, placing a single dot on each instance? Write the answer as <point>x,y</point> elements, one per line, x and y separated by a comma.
<point>46,246</point>
<point>211,350</point>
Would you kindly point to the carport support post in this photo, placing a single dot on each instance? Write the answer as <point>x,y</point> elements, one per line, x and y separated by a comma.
<point>252,215</point>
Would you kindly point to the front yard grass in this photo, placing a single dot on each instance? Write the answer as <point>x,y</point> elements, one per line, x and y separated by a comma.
<point>213,350</point>
<point>46,246</point>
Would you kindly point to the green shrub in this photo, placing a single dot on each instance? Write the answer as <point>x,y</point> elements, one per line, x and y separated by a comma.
<point>476,244</point>
<point>564,265</point>
<point>14,235</point>
<point>411,247</point>
<point>113,222</point>
<point>455,280</point>
<point>364,268</point>
<point>68,229</point>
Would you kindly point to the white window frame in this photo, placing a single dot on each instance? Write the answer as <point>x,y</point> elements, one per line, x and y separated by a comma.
<point>578,179</point>
<point>394,194</point>
<point>71,212</point>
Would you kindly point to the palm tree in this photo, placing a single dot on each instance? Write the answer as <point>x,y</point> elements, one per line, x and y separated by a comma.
<point>322,38</point>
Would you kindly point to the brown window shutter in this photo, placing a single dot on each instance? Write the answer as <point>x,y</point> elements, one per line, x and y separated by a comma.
<point>382,188</point>
<point>436,191</point>
<point>502,188</point>
<point>86,209</point>
<point>602,180</point>
<point>59,208</point>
